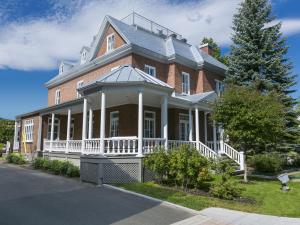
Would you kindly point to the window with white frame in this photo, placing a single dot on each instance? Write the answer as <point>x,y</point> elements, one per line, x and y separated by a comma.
<point>28,130</point>
<point>110,42</point>
<point>57,97</point>
<point>114,124</point>
<point>150,70</point>
<point>79,85</point>
<point>183,127</point>
<point>56,130</point>
<point>149,124</point>
<point>219,86</point>
<point>185,78</point>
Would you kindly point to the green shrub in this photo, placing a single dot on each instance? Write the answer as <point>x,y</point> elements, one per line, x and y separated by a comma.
<point>158,163</point>
<point>38,163</point>
<point>15,158</point>
<point>57,167</point>
<point>225,187</point>
<point>268,162</point>
<point>73,171</point>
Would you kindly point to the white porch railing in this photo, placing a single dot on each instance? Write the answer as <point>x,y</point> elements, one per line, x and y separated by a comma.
<point>211,145</point>
<point>149,144</point>
<point>235,155</point>
<point>129,146</point>
<point>176,143</point>
<point>120,146</point>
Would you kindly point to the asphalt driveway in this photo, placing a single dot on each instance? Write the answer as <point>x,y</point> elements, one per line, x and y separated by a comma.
<point>29,197</point>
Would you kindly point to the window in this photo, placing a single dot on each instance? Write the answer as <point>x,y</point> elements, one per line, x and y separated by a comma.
<point>57,97</point>
<point>149,124</point>
<point>219,87</point>
<point>72,129</point>
<point>183,127</point>
<point>110,42</point>
<point>114,124</point>
<point>56,129</point>
<point>79,85</point>
<point>185,77</point>
<point>150,70</point>
<point>61,68</point>
<point>114,68</point>
<point>28,130</point>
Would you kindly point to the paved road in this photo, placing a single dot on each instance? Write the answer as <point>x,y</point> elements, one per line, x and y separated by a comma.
<point>30,197</point>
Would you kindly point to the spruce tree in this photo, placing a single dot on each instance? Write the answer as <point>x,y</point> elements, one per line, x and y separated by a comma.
<point>258,58</point>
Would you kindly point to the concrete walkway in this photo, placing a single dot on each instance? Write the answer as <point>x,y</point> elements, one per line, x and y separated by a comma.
<point>232,217</point>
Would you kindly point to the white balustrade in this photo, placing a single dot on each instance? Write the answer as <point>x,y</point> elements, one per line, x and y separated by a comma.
<point>237,156</point>
<point>121,146</point>
<point>210,144</point>
<point>75,146</point>
<point>47,145</point>
<point>149,144</point>
<point>92,146</point>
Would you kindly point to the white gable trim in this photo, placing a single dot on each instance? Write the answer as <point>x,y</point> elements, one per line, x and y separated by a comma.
<point>100,36</point>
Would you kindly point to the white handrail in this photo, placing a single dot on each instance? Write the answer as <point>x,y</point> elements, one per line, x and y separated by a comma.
<point>206,151</point>
<point>235,155</point>
<point>120,146</point>
<point>149,144</point>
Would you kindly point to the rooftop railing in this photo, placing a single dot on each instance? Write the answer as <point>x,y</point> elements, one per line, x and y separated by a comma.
<point>136,19</point>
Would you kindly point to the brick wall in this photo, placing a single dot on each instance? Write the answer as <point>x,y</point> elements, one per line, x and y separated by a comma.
<point>68,89</point>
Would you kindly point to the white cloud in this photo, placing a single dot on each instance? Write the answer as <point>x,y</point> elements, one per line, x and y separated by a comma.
<point>290,26</point>
<point>41,43</point>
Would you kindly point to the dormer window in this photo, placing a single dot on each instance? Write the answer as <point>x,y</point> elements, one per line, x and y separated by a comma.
<point>110,42</point>
<point>83,56</point>
<point>61,68</point>
<point>150,70</point>
<point>185,77</point>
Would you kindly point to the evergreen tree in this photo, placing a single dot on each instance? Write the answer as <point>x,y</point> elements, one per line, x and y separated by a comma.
<point>216,50</point>
<point>258,58</point>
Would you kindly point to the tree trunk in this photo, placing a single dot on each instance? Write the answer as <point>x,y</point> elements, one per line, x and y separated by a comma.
<point>245,170</point>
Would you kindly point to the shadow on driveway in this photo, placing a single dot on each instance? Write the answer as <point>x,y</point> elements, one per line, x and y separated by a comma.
<point>33,197</point>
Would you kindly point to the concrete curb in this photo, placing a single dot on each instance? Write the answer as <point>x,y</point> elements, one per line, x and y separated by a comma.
<point>166,203</point>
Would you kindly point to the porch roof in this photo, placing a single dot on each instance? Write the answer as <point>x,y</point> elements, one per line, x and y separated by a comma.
<point>200,97</point>
<point>127,75</point>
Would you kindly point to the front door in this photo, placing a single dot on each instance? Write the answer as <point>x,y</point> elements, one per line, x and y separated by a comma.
<point>183,127</point>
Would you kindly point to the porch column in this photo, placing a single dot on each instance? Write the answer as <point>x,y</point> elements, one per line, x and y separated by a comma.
<point>197,127</point>
<point>84,115</point>
<point>140,124</point>
<point>164,120</point>
<point>39,139</point>
<point>205,127</point>
<point>102,123</point>
<point>190,125</point>
<point>15,136</point>
<point>68,130</point>
<point>215,135</point>
<point>90,123</point>
<point>52,130</point>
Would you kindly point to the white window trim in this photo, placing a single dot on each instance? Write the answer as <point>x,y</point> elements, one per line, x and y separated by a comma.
<point>183,84</point>
<point>56,123</point>
<point>150,68</point>
<point>78,85</point>
<point>107,42</point>
<point>219,83</point>
<point>111,122</point>
<point>57,97</point>
<point>154,120</point>
<point>28,130</point>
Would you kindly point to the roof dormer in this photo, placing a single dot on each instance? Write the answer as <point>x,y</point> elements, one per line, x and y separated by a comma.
<point>64,67</point>
<point>84,54</point>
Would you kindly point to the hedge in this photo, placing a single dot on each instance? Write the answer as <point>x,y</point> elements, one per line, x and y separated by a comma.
<point>15,158</point>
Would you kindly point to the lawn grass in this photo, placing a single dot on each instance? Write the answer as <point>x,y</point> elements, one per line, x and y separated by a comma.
<point>267,194</point>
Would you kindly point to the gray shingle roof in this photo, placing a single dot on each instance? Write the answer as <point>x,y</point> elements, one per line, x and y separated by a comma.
<point>200,97</point>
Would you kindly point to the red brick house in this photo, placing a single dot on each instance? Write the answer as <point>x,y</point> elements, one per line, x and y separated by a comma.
<point>137,86</point>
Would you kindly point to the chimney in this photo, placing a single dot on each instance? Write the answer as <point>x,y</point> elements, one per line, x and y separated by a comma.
<point>206,48</point>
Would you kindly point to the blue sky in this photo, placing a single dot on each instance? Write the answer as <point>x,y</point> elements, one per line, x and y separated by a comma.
<point>36,35</point>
